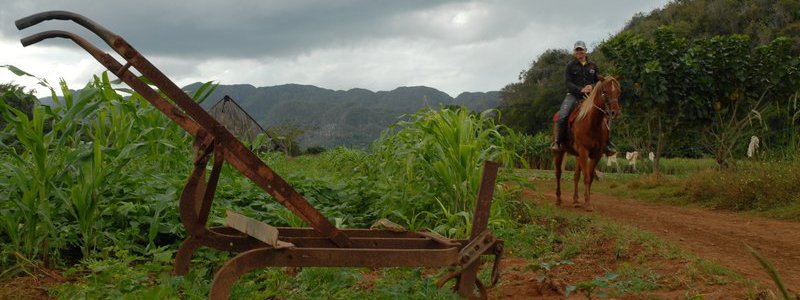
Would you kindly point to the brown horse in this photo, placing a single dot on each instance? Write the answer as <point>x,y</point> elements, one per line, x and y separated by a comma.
<point>588,135</point>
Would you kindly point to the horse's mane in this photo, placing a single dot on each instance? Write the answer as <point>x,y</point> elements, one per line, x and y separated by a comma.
<point>588,102</point>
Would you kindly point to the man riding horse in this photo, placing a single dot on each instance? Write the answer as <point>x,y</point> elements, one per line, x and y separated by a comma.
<point>581,75</point>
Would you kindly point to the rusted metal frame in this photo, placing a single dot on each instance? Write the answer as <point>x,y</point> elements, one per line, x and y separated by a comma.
<point>361,237</point>
<point>473,251</point>
<point>245,161</point>
<point>184,255</point>
<point>497,250</point>
<point>369,243</point>
<point>298,257</point>
<point>193,190</point>
<point>351,232</point>
<point>480,220</point>
<point>438,238</point>
<point>214,240</point>
<point>211,186</point>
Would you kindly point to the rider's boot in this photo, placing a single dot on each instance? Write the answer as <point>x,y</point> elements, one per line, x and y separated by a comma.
<point>559,138</point>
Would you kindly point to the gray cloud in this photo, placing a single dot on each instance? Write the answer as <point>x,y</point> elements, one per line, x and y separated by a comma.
<point>451,45</point>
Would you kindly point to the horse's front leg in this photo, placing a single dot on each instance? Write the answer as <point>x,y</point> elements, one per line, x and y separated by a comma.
<point>558,157</point>
<point>576,178</point>
<point>588,178</point>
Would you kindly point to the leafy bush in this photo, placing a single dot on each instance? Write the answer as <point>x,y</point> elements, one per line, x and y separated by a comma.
<point>764,186</point>
<point>533,151</point>
<point>428,168</point>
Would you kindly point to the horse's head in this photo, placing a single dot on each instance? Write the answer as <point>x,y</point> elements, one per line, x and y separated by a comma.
<point>610,92</point>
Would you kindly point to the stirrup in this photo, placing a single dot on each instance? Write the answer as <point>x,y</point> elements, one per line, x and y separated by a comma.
<point>556,146</point>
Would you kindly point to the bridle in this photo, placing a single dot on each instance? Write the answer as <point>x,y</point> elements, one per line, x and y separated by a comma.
<point>606,111</point>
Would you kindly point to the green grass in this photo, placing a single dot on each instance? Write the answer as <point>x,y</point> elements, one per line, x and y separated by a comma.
<point>761,188</point>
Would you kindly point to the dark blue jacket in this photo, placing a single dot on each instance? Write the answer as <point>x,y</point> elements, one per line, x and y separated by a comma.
<point>578,76</point>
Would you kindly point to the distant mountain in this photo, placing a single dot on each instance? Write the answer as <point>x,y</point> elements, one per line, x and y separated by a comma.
<point>353,118</point>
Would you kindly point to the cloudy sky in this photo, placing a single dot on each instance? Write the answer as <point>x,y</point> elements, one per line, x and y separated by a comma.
<point>454,46</point>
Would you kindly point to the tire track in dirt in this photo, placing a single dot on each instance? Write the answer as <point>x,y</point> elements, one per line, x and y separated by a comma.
<point>713,235</point>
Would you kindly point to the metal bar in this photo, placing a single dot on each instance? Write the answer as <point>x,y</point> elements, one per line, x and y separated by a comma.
<point>480,220</point>
<point>351,232</point>
<point>473,251</point>
<point>193,190</point>
<point>87,23</point>
<point>296,257</point>
<point>211,186</point>
<point>369,243</point>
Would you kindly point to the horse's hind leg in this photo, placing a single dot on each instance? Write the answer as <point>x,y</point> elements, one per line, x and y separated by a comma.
<point>577,177</point>
<point>558,157</point>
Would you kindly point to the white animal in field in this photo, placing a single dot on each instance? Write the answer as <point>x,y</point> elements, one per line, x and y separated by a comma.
<point>632,157</point>
<point>753,147</point>
<point>612,160</point>
<point>651,156</point>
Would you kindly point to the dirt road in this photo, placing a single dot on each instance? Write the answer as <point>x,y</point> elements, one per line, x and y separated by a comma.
<point>713,235</point>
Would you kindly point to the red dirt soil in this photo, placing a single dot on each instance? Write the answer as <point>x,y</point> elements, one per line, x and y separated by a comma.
<point>713,235</point>
<point>33,286</point>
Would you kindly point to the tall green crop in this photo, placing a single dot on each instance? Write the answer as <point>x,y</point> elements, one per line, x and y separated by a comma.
<point>95,168</point>
<point>430,167</point>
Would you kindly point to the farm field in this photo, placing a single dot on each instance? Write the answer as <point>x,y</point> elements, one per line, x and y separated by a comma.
<point>699,98</point>
<point>628,249</point>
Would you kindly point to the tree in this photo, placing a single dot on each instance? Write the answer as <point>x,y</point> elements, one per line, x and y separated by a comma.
<point>529,105</point>
<point>719,85</point>
<point>661,82</point>
<point>747,85</point>
<point>16,96</point>
<point>286,135</point>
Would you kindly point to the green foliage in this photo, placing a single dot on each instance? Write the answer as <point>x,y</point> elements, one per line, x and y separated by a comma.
<point>429,167</point>
<point>16,97</point>
<point>122,275</point>
<point>286,136</point>
<point>772,273</point>
<point>721,85</point>
<point>80,174</point>
<point>764,20</point>
<point>763,186</point>
<point>595,286</point>
<point>533,151</point>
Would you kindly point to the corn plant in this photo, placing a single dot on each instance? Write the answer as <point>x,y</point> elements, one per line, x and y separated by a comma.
<point>773,273</point>
<point>432,162</point>
<point>74,168</point>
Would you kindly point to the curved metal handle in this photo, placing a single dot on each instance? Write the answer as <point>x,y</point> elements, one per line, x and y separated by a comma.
<point>35,38</point>
<point>34,19</point>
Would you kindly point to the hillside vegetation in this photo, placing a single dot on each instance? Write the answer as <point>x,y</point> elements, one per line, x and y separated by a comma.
<point>331,118</point>
<point>712,72</point>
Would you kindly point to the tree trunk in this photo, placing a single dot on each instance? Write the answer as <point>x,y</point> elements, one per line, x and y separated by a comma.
<point>659,148</point>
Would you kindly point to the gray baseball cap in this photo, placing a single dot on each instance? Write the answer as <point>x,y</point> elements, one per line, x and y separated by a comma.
<point>579,44</point>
